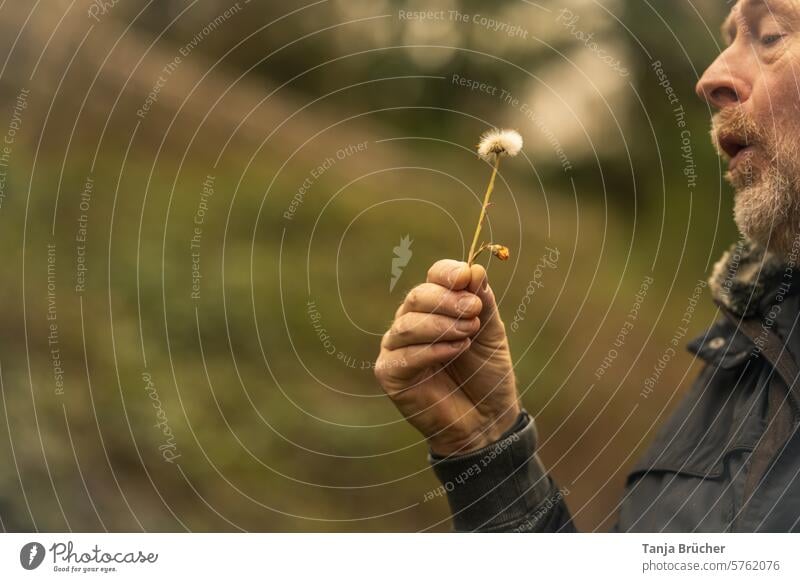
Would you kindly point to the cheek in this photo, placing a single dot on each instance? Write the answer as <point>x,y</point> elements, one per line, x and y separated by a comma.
<point>781,88</point>
<point>775,103</point>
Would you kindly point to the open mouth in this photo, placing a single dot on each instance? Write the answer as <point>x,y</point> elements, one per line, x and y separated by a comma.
<point>735,148</point>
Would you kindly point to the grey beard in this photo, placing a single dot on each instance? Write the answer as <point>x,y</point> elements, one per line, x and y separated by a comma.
<point>767,205</point>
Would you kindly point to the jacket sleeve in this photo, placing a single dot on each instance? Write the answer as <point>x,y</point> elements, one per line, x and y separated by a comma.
<point>503,487</point>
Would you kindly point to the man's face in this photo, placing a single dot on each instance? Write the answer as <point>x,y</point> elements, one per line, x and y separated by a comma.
<point>755,85</point>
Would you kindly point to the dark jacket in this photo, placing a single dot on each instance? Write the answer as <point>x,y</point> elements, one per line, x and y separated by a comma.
<point>727,460</point>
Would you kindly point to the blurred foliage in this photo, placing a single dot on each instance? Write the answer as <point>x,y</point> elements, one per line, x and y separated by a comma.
<point>275,432</point>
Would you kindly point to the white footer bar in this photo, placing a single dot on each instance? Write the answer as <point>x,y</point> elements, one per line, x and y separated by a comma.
<point>401,557</point>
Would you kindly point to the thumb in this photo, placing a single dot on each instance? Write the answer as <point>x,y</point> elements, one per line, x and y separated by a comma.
<point>492,329</point>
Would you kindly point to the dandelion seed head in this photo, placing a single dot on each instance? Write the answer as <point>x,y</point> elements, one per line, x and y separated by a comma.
<point>499,142</point>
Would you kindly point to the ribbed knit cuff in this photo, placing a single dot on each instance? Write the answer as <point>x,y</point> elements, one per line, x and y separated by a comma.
<point>497,485</point>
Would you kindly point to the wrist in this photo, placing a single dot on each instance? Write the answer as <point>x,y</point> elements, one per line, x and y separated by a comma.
<point>505,423</point>
<point>446,444</point>
<point>503,487</point>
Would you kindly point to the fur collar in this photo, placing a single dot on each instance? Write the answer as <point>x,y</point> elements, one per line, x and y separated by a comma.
<point>745,277</point>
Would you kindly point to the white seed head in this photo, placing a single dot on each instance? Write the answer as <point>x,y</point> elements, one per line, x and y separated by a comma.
<point>499,142</point>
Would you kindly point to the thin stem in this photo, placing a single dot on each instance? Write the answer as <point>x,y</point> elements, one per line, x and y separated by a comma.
<point>477,253</point>
<point>470,257</point>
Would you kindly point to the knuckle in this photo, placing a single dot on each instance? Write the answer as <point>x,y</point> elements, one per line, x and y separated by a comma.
<point>413,298</point>
<point>403,326</point>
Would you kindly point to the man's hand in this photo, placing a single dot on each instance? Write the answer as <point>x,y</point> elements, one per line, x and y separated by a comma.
<point>445,361</point>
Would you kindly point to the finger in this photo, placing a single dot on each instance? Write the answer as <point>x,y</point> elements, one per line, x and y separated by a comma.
<point>409,361</point>
<point>479,285</point>
<point>491,324</point>
<point>426,328</point>
<point>449,273</point>
<point>432,298</point>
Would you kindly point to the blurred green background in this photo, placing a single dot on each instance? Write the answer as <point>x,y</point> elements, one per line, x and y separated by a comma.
<point>325,133</point>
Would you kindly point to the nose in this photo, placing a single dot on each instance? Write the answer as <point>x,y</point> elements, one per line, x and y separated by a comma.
<point>724,82</point>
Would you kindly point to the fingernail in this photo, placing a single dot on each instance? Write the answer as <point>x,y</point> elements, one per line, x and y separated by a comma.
<point>466,304</point>
<point>464,324</point>
<point>485,284</point>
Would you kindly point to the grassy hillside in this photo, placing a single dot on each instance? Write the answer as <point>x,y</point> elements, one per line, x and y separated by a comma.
<point>198,390</point>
